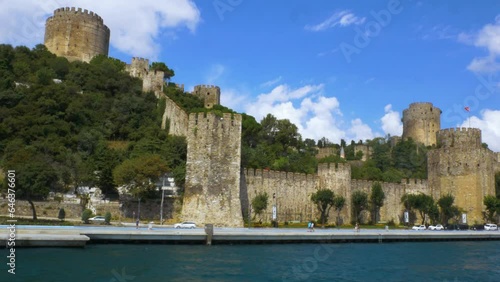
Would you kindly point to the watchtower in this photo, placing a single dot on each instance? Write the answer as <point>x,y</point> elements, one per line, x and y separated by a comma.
<point>212,190</point>
<point>421,121</point>
<point>76,34</point>
<point>209,93</point>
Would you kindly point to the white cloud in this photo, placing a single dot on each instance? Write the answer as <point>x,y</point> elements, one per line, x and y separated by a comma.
<point>391,122</point>
<point>488,123</point>
<point>489,38</point>
<point>359,131</point>
<point>136,26</point>
<point>271,82</point>
<point>232,98</point>
<point>342,18</point>
<point>215,72</point>
<point>314,114</point>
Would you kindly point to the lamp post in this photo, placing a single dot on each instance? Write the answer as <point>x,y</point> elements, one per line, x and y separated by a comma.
<point>139,210</point>
<point>171,182</point>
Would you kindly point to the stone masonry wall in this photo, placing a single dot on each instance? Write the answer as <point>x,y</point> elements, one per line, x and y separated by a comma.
<point>293,193</point>
<point>76,34</point>
<point>337,177</point>
<point>212,192</point>
<point>177,118</point>
<point>421,121</point>
<point>462,168</point>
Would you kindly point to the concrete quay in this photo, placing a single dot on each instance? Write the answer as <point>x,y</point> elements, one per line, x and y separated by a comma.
<point>79,236</point>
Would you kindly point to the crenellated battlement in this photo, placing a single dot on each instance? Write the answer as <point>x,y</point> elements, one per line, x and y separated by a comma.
<point>274,174</point>
<point>459,137</point>
<point>333,166</point>
<point>73,11</point>
<point>204,86</point>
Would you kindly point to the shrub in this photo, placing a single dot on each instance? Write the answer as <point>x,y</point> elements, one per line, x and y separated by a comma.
<point>86,214</point>
<point>107,218</point>
<point>59,199</point>
<point>62,214</point>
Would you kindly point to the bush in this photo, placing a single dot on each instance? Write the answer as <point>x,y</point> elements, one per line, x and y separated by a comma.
<point>86,214</point>
<point>107,218</point>
<point>62,214</point>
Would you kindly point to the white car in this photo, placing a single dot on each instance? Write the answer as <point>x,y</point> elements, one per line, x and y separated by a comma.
<point>419,227</point>
<point>436,227</point>
<point>97,219</point>
<point>490,226</point>
<point>185,224</point>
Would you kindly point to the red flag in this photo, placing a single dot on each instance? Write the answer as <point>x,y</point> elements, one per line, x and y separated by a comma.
<point>467,109</point>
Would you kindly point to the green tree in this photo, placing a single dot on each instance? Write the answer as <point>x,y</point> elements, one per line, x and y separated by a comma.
<point>338,205</point>
<point>35,177</point>
<point>448,210</point>
<point>424,204</point>
<point>323,199</point>
<point>259,203</point>
<point>492,204</point>
<point>159,66</point>
<point>86,214</point>
<point>377,198</point>
<point>359,204</point>
<point>62,214</point>
<point>107,218</point>
<point>140,174</point>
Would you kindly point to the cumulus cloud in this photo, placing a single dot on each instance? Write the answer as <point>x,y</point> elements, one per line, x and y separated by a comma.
<point>488,38</point>
<point>136,26</point>
<point>391,122</point>
<point>359,131</point>
<point>488,123</point>
<point>314,114</point>
<point>343,18</point>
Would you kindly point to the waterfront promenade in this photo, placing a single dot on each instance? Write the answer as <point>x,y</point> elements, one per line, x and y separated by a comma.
<point>79,236</point>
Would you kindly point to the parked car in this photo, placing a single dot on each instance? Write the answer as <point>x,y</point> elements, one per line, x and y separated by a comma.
<point>97,219</point>
<point>436,227</point>
<point>185,224</point>
<point>419,227</point>
<point>490,226</point>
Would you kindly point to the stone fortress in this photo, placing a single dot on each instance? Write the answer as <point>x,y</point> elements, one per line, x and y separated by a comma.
<point>76,34</point>
<point>219,191</point>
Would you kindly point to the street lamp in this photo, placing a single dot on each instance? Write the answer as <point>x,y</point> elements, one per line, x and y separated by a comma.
<point>139,210</point>
<point>171,182</point>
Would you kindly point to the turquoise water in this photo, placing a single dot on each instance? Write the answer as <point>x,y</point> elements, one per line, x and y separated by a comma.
<point>433,261</point>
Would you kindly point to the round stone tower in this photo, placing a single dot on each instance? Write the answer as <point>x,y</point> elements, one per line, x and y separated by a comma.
<point>76,34</point>
<point>421,121</point>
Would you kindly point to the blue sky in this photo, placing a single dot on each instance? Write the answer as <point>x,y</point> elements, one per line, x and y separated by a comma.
<point>339,69</point>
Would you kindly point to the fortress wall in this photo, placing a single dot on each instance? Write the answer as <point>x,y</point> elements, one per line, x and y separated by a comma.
<point>76,34</point>
<point>367,152</point>
<point>153,82</point>
<point>337,177</point>
<point>177,118</point>
<point>459,137</point>
<point>392,208</point>
<point>326,152</point>
<point>467,173</point>
<point>212,193</point>
<point>293,193</point>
